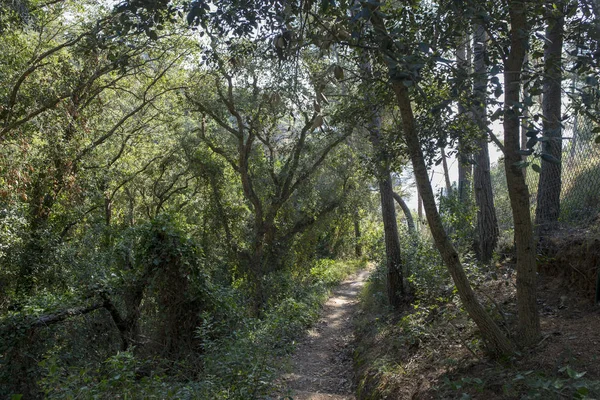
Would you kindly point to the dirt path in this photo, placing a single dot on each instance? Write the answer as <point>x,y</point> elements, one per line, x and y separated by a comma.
<point>322,364</point>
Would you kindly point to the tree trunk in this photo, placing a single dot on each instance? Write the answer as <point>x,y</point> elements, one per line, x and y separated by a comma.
<point>395,267</point>
<point>487,223</point>
<point>419,208</point>
<point>128,327</point>
<point>446,173</point>
<point>396,287</point>
<point>357,245</point>
<point>549,187</point>
<point>59,316</point>
<point>409,219</point>
<point>497,342</point>
<point>525,118</point>
<point>464,167</point>
<point>529,323</point>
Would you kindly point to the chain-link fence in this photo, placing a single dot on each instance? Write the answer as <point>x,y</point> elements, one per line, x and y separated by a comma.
<point>579,183</point>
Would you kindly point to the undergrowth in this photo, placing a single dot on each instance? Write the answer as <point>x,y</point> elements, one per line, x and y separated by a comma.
<point>432,350</point>
<point>238,355</point>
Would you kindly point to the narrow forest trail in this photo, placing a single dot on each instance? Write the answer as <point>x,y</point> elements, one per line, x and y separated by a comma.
<point>321,367</point>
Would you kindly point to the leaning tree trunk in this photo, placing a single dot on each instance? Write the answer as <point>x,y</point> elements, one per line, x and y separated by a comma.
<point>549,187</point>
<point>496,341</point>
<point>446,172</point>
<point>529,322</point>
<point>487,223</point>
<point>410,222</point>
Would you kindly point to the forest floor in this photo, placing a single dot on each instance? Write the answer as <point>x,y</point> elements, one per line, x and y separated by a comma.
<point>322,366</point>
<point>434,352</point>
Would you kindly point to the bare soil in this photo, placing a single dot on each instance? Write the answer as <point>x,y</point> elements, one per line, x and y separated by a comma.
<point>322,367</point>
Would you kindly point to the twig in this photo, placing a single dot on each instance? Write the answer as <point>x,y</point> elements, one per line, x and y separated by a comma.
<point>496,140</point>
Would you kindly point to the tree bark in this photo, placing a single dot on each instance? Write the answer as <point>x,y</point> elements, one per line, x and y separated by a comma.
<point>497,342</point>
<point>397,287</point>
<point>410,222</point>
<point>446,173</point>
<point>525,118</point>
<point>419,208</point>
<point>397,291</point>
<point>529,323</point>
<point>487,223</point>
<point>550,183</point>
<point>465,169</point>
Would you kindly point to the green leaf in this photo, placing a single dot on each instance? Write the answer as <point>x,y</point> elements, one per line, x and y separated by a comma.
<point>531,133</point>
<point>583,391</point>
<point>442,60</point>
<point>317,122</point>
<point>574,374</point>
<point>536,168</point>
<point>558,384</point>
<point>496,114</point>
<point>152,35</point>
<point>531,142</point>
<point>338,72</point>
<point>521,164</point>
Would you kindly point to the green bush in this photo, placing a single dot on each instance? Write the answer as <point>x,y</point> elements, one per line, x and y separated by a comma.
<point>459,218</point>
<point>427,273</point>
<point>332,272</point>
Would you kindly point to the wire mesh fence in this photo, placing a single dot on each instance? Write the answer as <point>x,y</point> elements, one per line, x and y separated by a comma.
<point>579,182</point>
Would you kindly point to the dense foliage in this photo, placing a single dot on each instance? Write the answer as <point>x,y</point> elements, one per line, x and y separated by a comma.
<point>182,182</point>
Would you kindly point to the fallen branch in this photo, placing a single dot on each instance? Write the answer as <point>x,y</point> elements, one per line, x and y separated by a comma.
<point>50,319</point>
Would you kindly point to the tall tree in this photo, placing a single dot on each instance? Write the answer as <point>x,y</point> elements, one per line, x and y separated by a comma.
<point>487,223</point>
<point>397,290</point>
<point>550,183</point>
<point>495,339</point>
<point>275,145</point>
<point>529,322</point>
<point>465,168</point>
